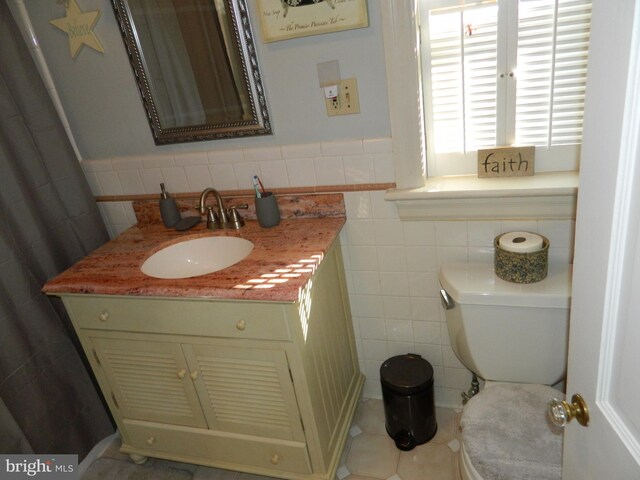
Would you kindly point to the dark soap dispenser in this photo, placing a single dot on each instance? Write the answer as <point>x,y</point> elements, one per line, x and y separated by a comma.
<point>168,209</point>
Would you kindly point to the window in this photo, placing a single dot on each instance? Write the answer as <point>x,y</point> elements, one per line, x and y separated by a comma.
<point>503,72</point>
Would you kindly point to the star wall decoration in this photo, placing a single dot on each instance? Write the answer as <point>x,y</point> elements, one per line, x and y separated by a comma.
<point>79,26</point>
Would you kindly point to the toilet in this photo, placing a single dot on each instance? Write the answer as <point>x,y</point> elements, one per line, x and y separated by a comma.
<point>514,337</point>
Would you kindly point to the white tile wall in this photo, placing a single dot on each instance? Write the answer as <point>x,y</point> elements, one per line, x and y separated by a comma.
<point>391,265</point>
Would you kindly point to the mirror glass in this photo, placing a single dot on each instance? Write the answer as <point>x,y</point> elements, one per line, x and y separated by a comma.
<point>196,67</point>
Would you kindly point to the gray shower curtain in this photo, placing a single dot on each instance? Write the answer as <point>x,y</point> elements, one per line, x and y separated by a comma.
<point>48,221</point>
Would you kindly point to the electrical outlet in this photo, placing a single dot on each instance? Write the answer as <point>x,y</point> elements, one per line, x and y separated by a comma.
<point>347,101</point>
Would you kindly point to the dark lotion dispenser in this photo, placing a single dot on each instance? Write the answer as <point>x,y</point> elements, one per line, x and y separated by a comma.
<point>168,209</point>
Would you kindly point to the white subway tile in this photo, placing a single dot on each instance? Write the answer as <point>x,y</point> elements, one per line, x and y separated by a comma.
<point>559,232</point>
<point>398,307</point>
<point>359,168</point>
<point>400,348</point>
<point>301,172</point>
<point>399,330</point>
<point>358,205</point>
<point>372,328</point>
<point>377,145</point>
<point>245,172</point>
<point>388,232</point>
<point>114,213</point>
<point>191,158</point>
<point>360,232</point>
<point>394,283</point>
<point>151,179</point>
<point>303,150</point>
<point>431,353</point>
<point>457,378</point>
<point>438,377</point>
<point>519,226</point>
<point>109,183</point>
<point>342,147</point>
<point>102,165</point>
<point>329,170</point>
<point>94,185</point>
<point>480,254</point>
<point>363,257</point>
<point>366,282</point>
<point>444,335</point>
<point>225,156</point>
<point>131,182</point>
<point>261,154</point>
<point>482,233</point>
<point>392,258</point>
<point>130,213</point>
<point>447,397</point>
<point>127,163</point>
<point>421,259</point>
<point>223,176</point>
<point>451,234</point>
<point>427,332</point>
<point>274,174</point>
<point>419,233</point>
<point>384,168</point>
<point>451,255</point>
<point>175,179</point>
<point>425,309</point>
<point>382,208</point>
<point>423,284</point>
<point>198,177</point>
<point>375,350</point>
<point>368,305</point>
<point>158,161</point>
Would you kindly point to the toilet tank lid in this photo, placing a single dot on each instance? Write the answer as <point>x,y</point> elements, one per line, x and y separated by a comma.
<point>477,284</point>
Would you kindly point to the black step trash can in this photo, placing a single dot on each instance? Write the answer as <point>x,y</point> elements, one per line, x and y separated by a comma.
<point>409,408</point>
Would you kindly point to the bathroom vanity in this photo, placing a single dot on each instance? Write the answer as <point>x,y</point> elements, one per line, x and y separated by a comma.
<point>252,368</point>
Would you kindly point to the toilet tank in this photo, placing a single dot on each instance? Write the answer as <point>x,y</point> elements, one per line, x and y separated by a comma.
<point>505,331</point>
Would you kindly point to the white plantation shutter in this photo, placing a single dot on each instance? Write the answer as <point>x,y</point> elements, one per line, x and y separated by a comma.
<point>463,77</point>
<point>505,72</point>
<point>553,40</point>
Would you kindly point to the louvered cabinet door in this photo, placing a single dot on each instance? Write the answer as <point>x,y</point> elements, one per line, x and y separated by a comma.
<point>246,390</point>
<point>149,381</point>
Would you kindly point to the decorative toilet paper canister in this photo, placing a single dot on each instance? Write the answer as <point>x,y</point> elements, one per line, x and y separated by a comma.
<point>521,257</point>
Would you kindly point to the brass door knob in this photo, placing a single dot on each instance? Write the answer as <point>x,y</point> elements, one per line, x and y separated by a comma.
<point>561,412</point>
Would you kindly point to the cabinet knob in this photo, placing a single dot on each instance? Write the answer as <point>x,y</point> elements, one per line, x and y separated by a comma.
<point>241,325</point>
<point>275,459</point>
<point>104,316</point>
<point>194,375</point>
<point>151,440</point>
<point>182,373</point>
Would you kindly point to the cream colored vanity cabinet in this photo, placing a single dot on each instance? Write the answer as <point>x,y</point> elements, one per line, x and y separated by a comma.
<point>261,387</point>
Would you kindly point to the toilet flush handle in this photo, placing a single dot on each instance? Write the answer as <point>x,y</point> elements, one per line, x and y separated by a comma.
<point>447,301</point>
<point>561,412</point>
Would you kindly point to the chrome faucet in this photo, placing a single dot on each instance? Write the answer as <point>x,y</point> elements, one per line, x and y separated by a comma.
<point>225,217</point>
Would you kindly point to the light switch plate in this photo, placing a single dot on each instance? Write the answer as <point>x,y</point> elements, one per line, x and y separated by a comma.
<point>348,100</point>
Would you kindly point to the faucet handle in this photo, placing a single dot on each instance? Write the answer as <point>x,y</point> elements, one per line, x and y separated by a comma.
<point>213,223</point>
<point>235,219</point>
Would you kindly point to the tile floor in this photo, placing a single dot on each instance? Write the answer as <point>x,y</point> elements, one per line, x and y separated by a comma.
<point>370,453</point>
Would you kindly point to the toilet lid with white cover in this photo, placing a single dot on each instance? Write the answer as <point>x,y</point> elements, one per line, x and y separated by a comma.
<point>508,436</point>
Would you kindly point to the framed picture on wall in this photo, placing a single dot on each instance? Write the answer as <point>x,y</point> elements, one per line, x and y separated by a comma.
<point>285,19</point>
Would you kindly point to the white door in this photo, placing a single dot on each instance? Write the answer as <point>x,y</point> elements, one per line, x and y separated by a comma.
<point>604,348</point>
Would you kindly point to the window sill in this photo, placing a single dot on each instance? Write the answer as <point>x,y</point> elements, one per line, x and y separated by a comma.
<point>548,195</point>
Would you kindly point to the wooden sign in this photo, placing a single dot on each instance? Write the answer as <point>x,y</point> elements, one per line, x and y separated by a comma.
<point>506,162</point>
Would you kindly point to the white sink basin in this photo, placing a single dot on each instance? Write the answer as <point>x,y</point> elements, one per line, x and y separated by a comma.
<point>196,257</point>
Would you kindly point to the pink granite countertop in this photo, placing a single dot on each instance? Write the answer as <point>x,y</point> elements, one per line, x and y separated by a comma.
<point>282,261</point>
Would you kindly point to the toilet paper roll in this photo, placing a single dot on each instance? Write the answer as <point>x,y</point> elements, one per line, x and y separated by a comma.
<point>521,242</point>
